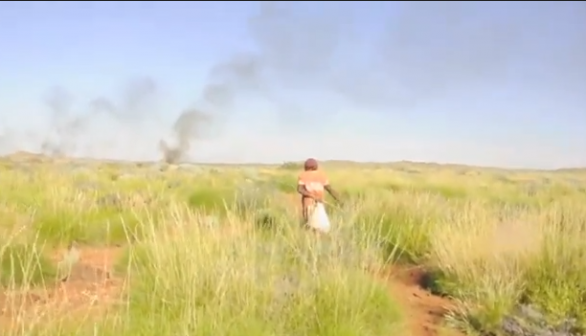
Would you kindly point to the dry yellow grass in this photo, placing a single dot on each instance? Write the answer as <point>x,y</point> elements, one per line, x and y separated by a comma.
<point>218,250</point>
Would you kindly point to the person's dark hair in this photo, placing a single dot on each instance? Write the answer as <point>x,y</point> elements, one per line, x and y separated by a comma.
<point>310,164</point>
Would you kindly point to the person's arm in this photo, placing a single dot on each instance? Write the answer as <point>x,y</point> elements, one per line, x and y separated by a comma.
<point>301,188</point>
<point>332,192</point>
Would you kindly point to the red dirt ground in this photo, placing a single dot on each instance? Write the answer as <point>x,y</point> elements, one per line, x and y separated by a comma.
<point>90,289</point>
<point>424,311</point>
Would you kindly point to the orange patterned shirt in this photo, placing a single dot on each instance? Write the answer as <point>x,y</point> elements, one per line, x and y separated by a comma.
<point>314,182</point>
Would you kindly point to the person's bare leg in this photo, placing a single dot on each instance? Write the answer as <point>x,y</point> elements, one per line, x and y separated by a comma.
<point>304,215</point>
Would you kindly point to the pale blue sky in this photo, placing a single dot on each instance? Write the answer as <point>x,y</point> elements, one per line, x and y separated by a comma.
<point>487,83</point>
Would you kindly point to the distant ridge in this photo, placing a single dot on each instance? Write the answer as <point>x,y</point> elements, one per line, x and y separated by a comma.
<point>25,156</point>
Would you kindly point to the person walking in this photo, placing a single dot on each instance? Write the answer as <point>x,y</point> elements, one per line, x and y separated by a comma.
<point>311,185</point>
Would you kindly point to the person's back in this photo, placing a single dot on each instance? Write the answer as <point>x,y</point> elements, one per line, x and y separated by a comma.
<point>314,182</point>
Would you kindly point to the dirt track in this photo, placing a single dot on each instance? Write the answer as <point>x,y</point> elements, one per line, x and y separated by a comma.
<point>90,289</point>
<point>424,311</point>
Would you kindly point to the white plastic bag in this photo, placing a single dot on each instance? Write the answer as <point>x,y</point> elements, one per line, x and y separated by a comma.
<point>319,219</point>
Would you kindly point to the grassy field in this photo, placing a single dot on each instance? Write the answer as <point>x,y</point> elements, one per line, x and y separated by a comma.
<point>89,248</point>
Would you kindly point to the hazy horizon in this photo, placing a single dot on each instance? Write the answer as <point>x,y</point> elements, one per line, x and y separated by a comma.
<point>327,163</point>
<point>497,84</point>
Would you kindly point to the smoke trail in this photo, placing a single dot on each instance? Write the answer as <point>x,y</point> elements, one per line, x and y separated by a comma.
<point>241,74</point>
<point>424,51</point>
<point>187,129</point>
<point>427,50</point>
<point>68,126</point>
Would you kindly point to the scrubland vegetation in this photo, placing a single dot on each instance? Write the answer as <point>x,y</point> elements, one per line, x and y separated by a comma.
<point>154,250</point>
